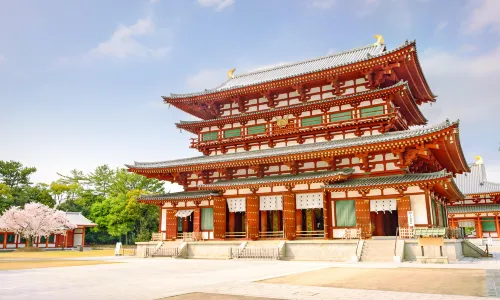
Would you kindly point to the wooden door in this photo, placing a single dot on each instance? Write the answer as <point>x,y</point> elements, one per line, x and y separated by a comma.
<point>171,233</point>
<point>219,218</point>
<point>289,216</point>
<point>252,216</point>
<point>363,216</point>
<point>403,206</point>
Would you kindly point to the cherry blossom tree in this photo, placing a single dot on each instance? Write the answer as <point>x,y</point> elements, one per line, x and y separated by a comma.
<point>35,220</point>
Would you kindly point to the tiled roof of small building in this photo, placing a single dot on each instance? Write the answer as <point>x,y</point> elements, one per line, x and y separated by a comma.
<point>279,178</point>
<point>297,69</point>
<point>479,208</point>
<point>78,219</point>
<point>179,195</point>
<point>283,151</point>
<point>388,180</point>
<point>475,182</point>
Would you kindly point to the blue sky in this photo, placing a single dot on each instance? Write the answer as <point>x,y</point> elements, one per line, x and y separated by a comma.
<point>80,81</point>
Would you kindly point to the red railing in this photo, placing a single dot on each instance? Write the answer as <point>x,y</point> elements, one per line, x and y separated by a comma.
<point>293,126</point>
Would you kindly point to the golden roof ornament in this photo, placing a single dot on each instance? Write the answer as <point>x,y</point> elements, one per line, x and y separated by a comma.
<point>479,160</point>
<point>230,73</point>
<point>380,39</point>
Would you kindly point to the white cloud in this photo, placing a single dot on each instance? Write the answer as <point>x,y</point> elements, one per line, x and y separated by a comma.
<point>467,85</point>
<point>206,79</point>
<point>219,5</point>
<point>442,25</point>
<point>124,42</point>
<point>323,3</point>
<point>484,16</point>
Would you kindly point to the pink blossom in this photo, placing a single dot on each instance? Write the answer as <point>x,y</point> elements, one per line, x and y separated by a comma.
<point>35,220</point>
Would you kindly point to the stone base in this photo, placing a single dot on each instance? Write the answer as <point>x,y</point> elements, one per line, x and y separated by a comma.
<point>354,258</point>
<point>396,259</point>
<point>432,260</point>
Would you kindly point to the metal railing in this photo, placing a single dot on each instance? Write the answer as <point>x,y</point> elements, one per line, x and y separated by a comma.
<point>236,235</point>
<point>162,252</point>
<point>271,234</point>
<point>314,234</point>
<point>255,253</point>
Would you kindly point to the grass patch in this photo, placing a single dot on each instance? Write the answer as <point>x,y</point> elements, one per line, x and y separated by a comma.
<point>22,265</point>
<point>467,282</point>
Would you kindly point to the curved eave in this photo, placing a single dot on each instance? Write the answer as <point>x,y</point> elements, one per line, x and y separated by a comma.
<point>179,101</point>
<point>450,152</point>
<point>419,84</point>
<point>404,100</point>
<point>439,132</point>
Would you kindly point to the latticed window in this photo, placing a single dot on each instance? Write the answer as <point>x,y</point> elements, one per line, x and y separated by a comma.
<point>210,136</point>
<point>345,213</point>
<point>1,238</point>
<point>372,111</point>
<point>207,218</point>
<point>179,224</point>
<point>232,133</point>
<point>341,116</point>
<point>310,121</point>
<point>488,224</point>
<point>52,238</point>
<point>256,129</point>
<point>43,240</point>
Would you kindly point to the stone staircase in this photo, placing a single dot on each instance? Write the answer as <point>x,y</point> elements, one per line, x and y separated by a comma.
<point>377,251</point>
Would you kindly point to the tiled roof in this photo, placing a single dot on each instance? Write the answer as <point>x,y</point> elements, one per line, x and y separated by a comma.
<point>463,209</point>
<point>475,182</point>
<point>179,195</point>
<point>78,219</point>
<point>297,69</point>
<point>284,108</point>
<point>280,178</point>
<point>297,149</point>
<point>387,180</point>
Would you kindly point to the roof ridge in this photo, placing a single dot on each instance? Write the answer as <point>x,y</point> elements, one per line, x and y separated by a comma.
<point>308,60</point>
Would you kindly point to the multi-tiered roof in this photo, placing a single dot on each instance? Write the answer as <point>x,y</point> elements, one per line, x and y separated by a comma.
<point>432,155</point>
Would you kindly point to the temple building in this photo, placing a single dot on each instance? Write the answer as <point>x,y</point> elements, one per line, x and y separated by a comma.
<point>478,212</point>
<point>320,148</point>
<point>70,239</point>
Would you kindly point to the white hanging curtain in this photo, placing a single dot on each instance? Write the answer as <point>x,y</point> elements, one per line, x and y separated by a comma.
<point>183,213</point>
<point>383,205</point>
<point>466,224</point>
<point>236,204</point>
<point>271,202</point>
<point>312,200</point>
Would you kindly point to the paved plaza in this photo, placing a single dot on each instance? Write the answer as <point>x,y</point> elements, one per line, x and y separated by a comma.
<point>158,278</point>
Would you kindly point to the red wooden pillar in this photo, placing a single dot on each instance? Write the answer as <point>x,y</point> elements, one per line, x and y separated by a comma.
<point>48,237</point>
<point>83,236</point>
<point>497,227</point>
<point>171,221</point>
<point>252,216</point>
<point>263,220</point>
<point>279,214</point>
<point>479,229</point>
<point>327,220</point>
<point>298,219</point>
<point>219,217</point>
<point>197,220</point>
<point>16,239</point>
<point>289,215</point>
<point>5,240</point>
<point>232,221</point>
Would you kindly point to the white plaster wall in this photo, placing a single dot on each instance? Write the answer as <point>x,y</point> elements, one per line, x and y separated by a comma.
<point>419,209</point>
<point>77,239</point>
<point>163,219</point>
<point>338,195</point>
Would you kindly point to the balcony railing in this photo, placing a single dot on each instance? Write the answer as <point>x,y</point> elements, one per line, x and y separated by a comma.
<point>271,235</point>
<point>313,234</point>
<point>236,235</point>
<point>294,126</point>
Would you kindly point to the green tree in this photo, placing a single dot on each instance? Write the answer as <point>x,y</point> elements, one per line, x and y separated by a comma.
<point>63,191</point>
<point>101,180</point>
<point>5,197</point>
<point>38,193</point>
<point>14,174</point>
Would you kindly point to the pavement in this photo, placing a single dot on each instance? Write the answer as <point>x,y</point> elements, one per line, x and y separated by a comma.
<point>157,278</point>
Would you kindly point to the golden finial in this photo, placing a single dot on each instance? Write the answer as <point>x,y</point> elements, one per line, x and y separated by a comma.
<point>380,39</point>
<point>230,73</point>
<point>479,160</point>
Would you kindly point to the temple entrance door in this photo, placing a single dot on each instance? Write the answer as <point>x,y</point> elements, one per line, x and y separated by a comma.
<point>384,223</point>
<point>239,222</point>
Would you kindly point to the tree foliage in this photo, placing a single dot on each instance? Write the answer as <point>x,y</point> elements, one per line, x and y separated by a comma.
<point>14,174</point>
<point>106,196</point>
